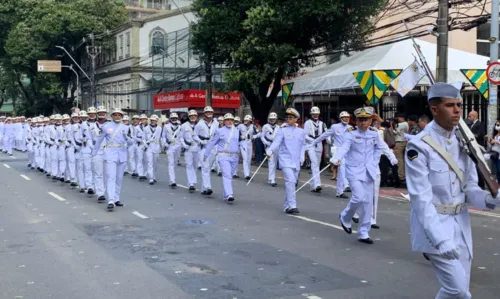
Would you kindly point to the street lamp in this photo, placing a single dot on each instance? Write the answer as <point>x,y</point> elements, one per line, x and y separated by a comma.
<point>77,81</point>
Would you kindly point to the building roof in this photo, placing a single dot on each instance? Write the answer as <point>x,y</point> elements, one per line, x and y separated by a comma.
<point>399,55</point>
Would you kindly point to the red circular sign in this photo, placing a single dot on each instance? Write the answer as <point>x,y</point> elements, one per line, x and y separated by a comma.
<point>493,73</point>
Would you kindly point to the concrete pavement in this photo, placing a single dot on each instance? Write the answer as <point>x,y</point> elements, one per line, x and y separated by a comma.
<point>164,243</point>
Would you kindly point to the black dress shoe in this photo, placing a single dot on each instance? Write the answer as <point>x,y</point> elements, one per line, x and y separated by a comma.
<point>91,191</point>
<point>236,176</point>
<point>366,241</point>
<point>101,198</point>
<point>342,196</point>
<point>82,190</point>
<point>247,178</point>
<point>61,180</point>
<point>355,220</point>
<point>142,178</point>
<point>134,174</point>
<point>29,165</point>
<point>54,178</point>
<point>118,204</point>
<point>67,182</point>
<point>219,174</point>
<point>173,185</point>
<point>192,188</point>
<point>204,192</point>
<point>209,191</point>
<point>151,182</point>
<point>230,199</point>
<point>213,171</point>
<point>155,181</point>
<point>274,185</point>
<point>294,211</point>
<point>73,185</point>
<point>110,206</point>
<point>375,226</point>
<point>288,211</point>
<point>348,189</point>
<point>347,230</point>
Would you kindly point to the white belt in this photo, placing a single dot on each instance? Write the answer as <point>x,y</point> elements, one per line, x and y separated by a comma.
<point>450,209</point>
<point>115,145</point>
<point>228,154</point>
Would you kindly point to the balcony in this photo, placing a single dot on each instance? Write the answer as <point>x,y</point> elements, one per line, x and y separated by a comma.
<point>146,5</point>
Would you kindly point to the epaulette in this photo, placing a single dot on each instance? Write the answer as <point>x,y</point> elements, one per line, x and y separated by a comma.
<point>351,129</point>
<point>373,129</point>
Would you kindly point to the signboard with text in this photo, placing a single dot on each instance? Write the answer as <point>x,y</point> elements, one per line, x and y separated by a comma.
<point>194,98</point>
<point>49,66</point>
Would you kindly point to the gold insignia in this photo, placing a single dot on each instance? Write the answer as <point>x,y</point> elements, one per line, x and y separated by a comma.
<point>351,129</point>
<point>373,129</point>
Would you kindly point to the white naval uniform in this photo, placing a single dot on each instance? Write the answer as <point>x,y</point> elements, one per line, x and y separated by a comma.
<point>314,129</point>
<point>252,134</point>
<point>171,138</point>
<point>204,133</point>
<point>430,181</point>
<point>85,139</point>
<point>362,152</point>
<point>30,145</point>
<point>98,160</point>
<point>131,151</point>
<point>153,139</point>
<point>289,143</point>
<point>243,150</point>
<point>61,151</point>
<point>268,134</point>
<point>70,173</point>
<point>140,146</point>
<point>190,144</point>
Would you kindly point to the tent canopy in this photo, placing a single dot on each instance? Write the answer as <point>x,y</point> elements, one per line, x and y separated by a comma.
<point>399,55</point>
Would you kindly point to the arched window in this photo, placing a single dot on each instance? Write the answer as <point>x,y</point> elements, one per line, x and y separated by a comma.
<point>157,43</point>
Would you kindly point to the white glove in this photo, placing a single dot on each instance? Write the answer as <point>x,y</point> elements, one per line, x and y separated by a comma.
<point>493,201</point>
<point>394,162</point>
<point>448,250</point>
<point>269,153</point>
<point>334,161</point>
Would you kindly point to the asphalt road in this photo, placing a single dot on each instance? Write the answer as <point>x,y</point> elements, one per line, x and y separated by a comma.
<point>58,243</point>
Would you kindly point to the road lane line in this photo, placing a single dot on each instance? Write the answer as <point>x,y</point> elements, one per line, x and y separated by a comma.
<point>7,166</point>
<point>13,157</point>
<point>320,222</point>
<point>139,215</point>
<point>25,177</point>
<point>312,297</point>
<point>182,186</point>
<point>56,196</point>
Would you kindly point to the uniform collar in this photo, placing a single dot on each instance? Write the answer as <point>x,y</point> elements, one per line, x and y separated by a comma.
<point>442,132</point>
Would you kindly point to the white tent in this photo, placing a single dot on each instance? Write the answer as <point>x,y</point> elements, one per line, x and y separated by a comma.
<point>399,55</point>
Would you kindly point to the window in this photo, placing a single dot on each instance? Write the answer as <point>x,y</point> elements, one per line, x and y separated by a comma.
<point>120,45</point>
<point>127,40</point>
<point>157,43</point>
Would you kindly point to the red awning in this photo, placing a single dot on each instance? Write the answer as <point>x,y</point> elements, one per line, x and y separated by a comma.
<point>195,99</point>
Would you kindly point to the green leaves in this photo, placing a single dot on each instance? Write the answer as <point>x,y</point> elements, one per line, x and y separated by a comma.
<point>261,42</point>
<point>32,29</point>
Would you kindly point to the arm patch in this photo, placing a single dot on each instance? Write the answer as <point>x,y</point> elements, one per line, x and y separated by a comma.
<point>412,154</point>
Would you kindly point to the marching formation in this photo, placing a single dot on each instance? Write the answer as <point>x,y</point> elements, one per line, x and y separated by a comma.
<point>92,154</point>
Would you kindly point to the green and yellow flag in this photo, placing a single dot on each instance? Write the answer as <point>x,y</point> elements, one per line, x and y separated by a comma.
<point>286,91</point>
<point>375,83</point>
<point>479,79</point>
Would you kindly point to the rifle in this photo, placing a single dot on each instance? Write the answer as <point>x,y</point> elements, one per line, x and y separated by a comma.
<point>464,134</point>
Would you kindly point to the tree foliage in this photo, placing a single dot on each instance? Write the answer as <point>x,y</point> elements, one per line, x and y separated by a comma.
<point>262,42</point>
<point>32,29</point>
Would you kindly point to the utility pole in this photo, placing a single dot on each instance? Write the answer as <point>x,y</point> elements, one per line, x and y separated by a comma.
<point>442,42</point>
<point>208,82</point>
<point>93,52</point>
<point>493,91</point>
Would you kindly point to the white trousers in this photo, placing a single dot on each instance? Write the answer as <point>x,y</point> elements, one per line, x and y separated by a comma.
<point>80,177</point>
<point>291,176</point>
<point>152,162</point>
<point>205,169</point>
<point>114,179</point>
<point>87,171</point>
<point>139,155</point>
<point>47,152</point>
<point>228,166</point>
<point>8,143</point>
<point>61,157</point>
<point>315,157</point>
<point>361,201</point>
<point>191,157</point>
<point>342,182</point>
<point>70,164</point>
<point>246,164</point>
<point>54,160</point>
<point>132,163</point>
<point>98,174</point>
<point>272,163</point>
<point>376,191</point>
<point>453,275</point>
<point>173,156</point>
<point>31,154</point>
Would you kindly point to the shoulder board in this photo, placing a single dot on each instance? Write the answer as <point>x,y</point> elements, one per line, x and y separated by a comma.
<point>373,129</point>
<point>351,129</point>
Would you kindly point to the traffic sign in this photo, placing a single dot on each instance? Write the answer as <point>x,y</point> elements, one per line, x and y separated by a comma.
<point>49,66</point>
<point>493,73</point>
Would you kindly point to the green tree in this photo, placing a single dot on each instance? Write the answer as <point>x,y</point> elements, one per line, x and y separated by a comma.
<point>262,42</point>
<point>32,30</point>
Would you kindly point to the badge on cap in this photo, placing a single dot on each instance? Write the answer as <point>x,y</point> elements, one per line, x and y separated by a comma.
<point>412,154</point>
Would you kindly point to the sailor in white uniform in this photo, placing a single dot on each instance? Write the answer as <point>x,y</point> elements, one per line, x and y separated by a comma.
<point>269,132</point>
<point>314,128</point>
<point>442,183</point>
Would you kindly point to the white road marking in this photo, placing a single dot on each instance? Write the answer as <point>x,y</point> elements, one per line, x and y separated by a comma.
<point>25,177</point>
<point>182,186</point>
<point>139,215</point>
<point>6,166</point>
<point>56,196</point>
<point>312,297</point>
<point>13,157</point>
<point>321,222</point>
